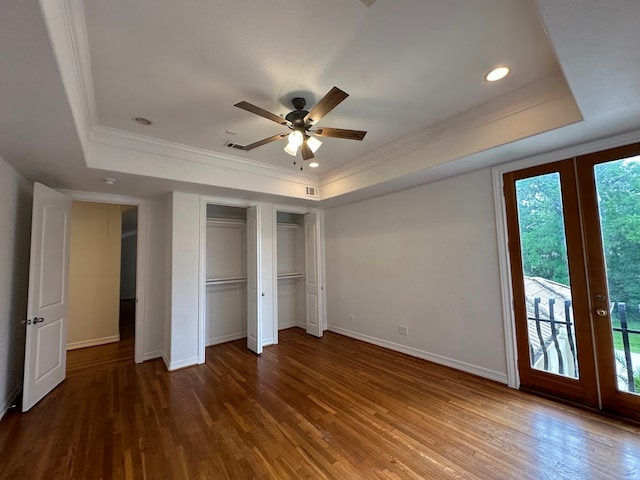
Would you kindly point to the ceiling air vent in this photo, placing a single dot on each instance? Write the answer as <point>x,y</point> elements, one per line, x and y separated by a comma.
<point>234,145</point>
<point>312,192</point>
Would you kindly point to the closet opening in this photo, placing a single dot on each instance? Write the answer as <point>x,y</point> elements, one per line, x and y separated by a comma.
<point>226,274</point>
<point>290,298</point>
<point>299,298</point>
<point>261,272</point>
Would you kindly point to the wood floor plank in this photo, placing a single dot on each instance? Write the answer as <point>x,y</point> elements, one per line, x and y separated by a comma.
<point>314,408</point>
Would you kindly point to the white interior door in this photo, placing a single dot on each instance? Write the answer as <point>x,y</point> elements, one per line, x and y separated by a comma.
<point>254,323</point>
<point>45,348</point>
<point>313,276</point>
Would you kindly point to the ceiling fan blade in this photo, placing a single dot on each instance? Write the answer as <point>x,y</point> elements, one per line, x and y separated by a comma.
<point>307,154</point>
<point>368,3</point>
<point>261,111</point>
<point>340,133</point>
<point>264,141</point>
<point>326,104</point>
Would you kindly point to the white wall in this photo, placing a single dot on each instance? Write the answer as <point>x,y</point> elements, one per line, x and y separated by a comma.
<point>16,198</point>
<point>425,258</point>
<point>185,264</point>
<point>94,274</point>
<point>157,279</point>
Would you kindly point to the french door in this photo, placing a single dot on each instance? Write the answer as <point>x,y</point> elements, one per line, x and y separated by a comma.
<point>574,244</point>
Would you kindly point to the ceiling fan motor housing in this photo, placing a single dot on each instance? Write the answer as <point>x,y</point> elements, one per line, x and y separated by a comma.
<point>296,117</point>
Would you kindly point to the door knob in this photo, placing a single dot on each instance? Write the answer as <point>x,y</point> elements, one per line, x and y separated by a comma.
<point>601,312</point>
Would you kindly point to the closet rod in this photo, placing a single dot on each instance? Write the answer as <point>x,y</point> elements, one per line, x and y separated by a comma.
<point>228,222</point>
<point>290,275</point>
<point>221,281</point>
<point>286,226</point>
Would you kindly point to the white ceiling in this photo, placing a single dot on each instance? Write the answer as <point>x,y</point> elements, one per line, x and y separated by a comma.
<point>406,65</point>
<point>73,73</point>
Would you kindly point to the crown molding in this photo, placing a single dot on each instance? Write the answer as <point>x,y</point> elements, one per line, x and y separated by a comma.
<point>141,143</point>
<point>533,95</point>
<point>104,147</point>
<point>80,44</point>
<point>61,17</point>
<point>536,108</point>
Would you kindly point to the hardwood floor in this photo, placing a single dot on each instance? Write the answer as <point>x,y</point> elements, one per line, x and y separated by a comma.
<point>82,360</point>
<point>309,408</point>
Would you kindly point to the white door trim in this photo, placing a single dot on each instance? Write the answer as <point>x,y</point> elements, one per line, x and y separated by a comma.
<point>141,255</point>
<point>497,172</point>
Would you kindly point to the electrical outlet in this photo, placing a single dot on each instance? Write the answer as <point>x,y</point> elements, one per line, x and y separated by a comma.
<point>352,317</point>
<point>403,330</point>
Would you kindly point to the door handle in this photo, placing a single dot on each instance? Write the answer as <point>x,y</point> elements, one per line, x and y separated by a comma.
<point>601,312</point>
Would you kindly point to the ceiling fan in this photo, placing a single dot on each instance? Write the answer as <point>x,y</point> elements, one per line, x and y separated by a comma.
<point>301,123</point>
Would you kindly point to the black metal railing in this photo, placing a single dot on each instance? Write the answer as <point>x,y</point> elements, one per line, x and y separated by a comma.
<point>621,309</point>
<point>552,339</point>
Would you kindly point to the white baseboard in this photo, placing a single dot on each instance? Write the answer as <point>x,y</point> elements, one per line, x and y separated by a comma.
<point>225,339</point>
<point>432,357</point>
<point>94,342</point>
<point>152,355</point>
<point>284,326</point>
<point>187,362</point>
<point>6,405</point>
<point>165,360</point>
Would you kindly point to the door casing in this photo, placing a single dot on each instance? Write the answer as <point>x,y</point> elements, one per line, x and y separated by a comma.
<point>588,257</point>
<point>513,377</point>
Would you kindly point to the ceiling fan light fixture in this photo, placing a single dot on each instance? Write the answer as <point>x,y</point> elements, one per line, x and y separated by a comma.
<point>296,138</point>
<point>497,73</point>
<point>314,144</point>
<point>291,149</point>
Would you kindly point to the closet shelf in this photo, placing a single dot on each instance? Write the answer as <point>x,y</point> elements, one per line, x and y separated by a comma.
<point>225,222</point>
<point>290,275</point>
<point>222,281</point>
<point>288,226</point>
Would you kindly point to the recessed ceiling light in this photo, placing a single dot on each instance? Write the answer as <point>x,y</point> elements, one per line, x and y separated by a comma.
<point>497,73</point>
<point>314,164</point>
<point>109,181</point>
<point>142,121</point>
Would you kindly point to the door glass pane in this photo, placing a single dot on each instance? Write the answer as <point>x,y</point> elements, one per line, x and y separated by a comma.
<point>550,320</point>
<point>618,190</point>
